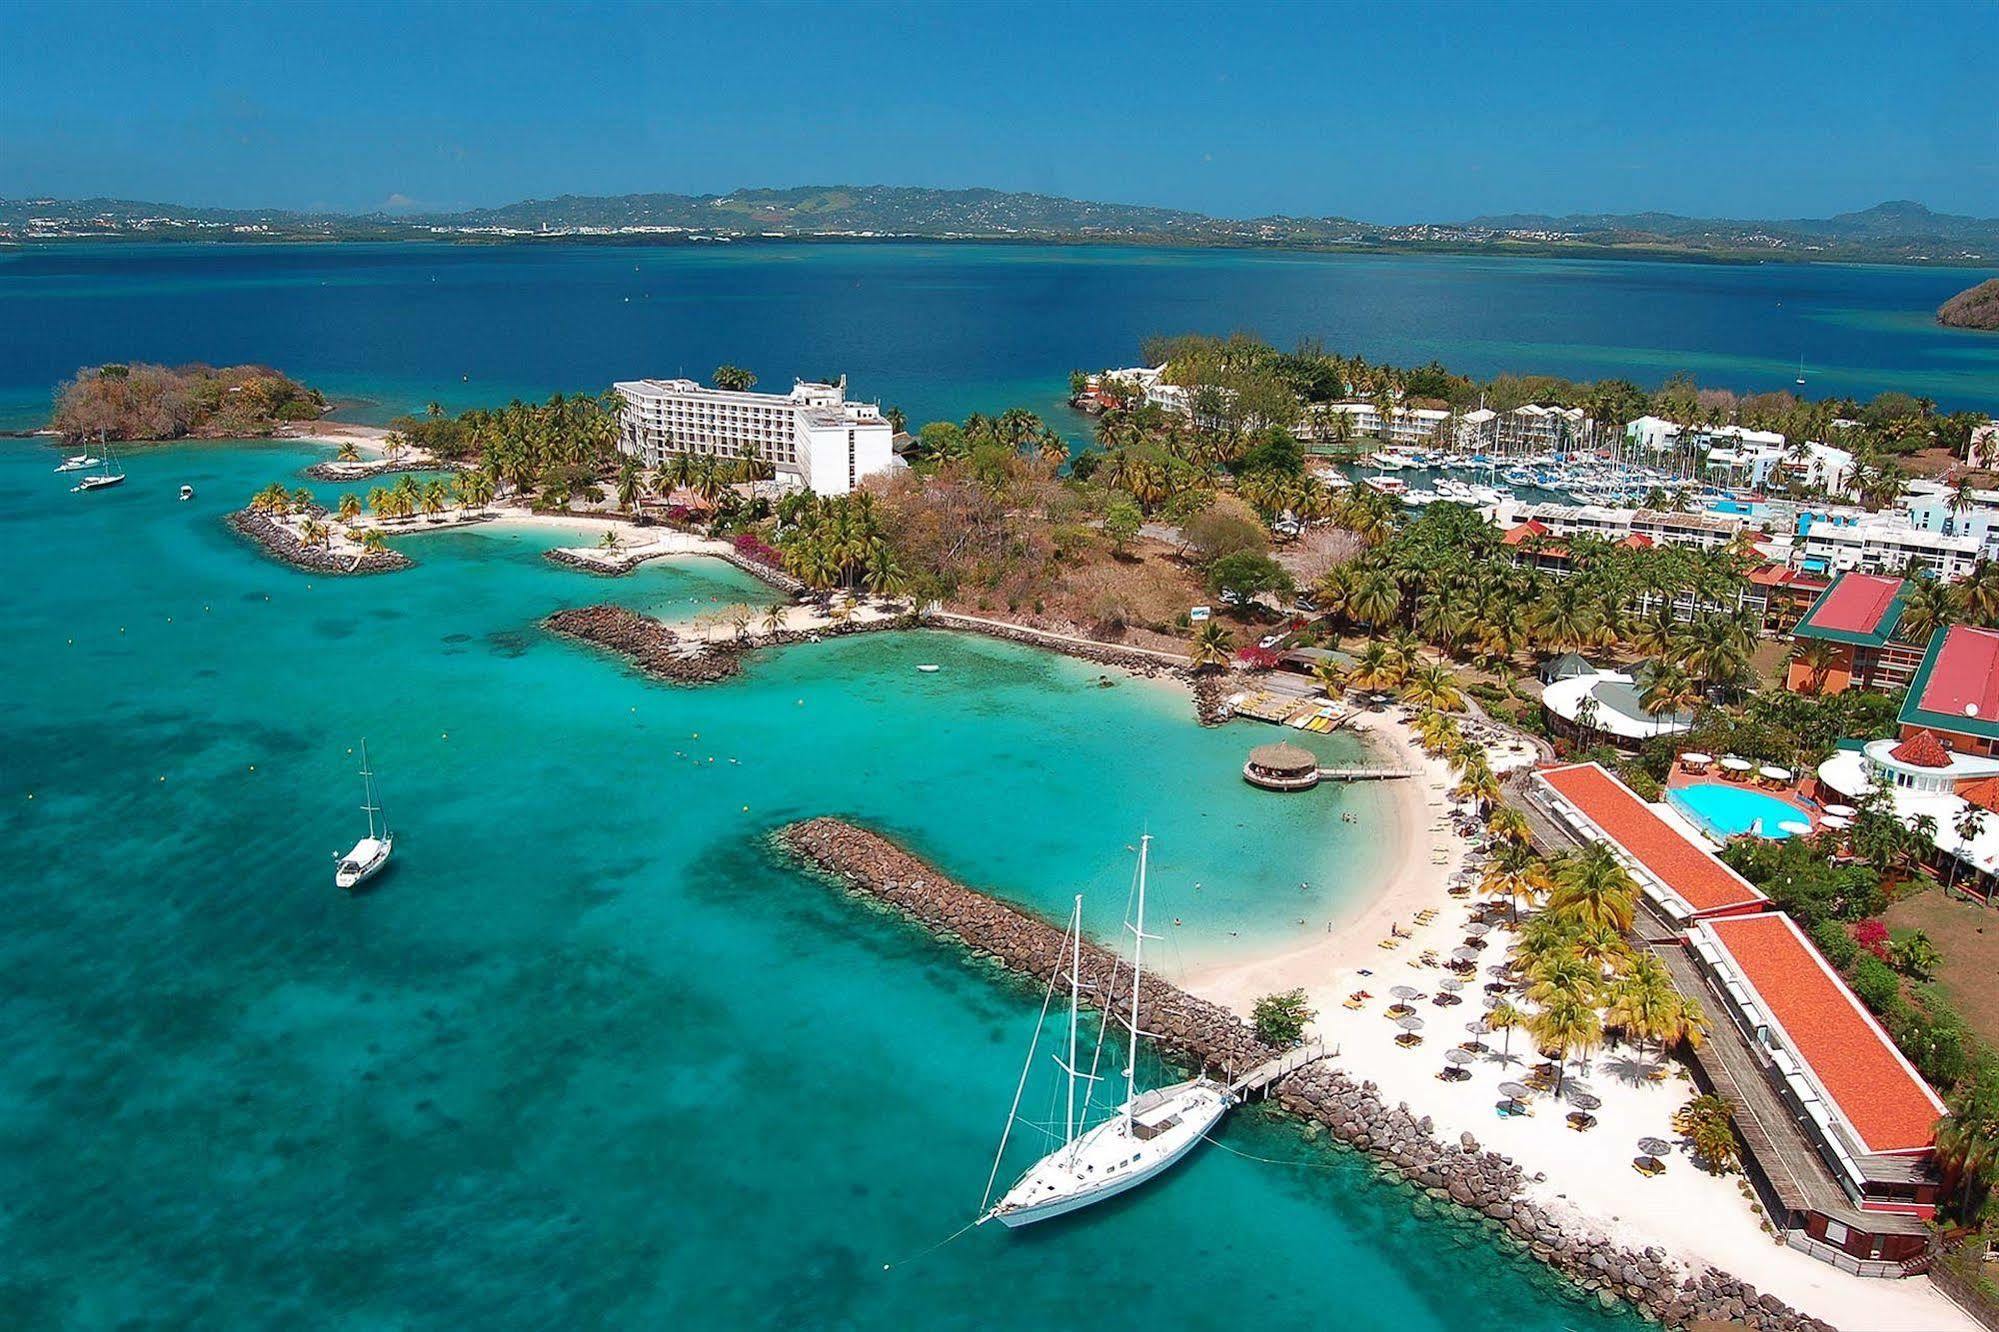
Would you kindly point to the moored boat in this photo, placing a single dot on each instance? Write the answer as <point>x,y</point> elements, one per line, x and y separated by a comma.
<point>1148,1133</point>
<point>371,854</point>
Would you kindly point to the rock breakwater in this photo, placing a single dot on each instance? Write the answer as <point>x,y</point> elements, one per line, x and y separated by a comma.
<point>281,541</point>
<point>1213,1038</point>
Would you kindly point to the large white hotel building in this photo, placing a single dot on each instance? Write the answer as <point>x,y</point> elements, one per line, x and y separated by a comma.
<point>811,435</point>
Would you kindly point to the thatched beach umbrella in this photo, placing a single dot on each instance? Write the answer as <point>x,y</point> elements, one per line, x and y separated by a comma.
<point>1654,1146</point>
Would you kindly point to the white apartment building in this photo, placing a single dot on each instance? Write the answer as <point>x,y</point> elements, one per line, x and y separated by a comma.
<point>1661,527</point>
<point>812,435</point>
<point>1936,508</point>
<point>1883,543</point>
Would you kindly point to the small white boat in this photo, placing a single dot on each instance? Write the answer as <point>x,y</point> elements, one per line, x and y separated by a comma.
<point>928,668</point>
<point>371,853</point>
<point>1149,1132</point>
<point>187,492</point>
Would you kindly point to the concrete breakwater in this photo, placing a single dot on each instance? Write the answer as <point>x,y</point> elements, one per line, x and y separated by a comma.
<point>279,541</point>
<point>1213,1038</point>
<point>613,564</point>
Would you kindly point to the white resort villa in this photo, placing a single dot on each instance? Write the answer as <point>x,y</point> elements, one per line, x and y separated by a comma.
<point>812,435</point>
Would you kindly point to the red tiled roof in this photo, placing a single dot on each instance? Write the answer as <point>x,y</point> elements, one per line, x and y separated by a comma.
<point>1881,1097</point>
<point>1966,674</point>
<point>1514,536</point>
<point>1689,869</point>
<point>1771,575</point>
<point>1857,604</point>
<point>1922,750</point>
<point>1637,541</point>
<point>1983,793</point>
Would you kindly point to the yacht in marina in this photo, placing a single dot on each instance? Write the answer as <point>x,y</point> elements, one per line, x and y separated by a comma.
<point>371,854</point>
<point>1146,1135</point>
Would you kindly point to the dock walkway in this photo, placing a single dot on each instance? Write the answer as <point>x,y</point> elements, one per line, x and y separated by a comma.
<point>1364,774</point>
<point>1272,1071</point>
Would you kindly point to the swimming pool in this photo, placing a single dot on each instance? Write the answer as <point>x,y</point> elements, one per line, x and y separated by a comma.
<point>1729,811</point>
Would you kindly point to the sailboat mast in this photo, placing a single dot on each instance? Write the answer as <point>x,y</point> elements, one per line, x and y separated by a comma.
<point>367,789</point>
<point>1075,995</point>
<point>1137,951</point>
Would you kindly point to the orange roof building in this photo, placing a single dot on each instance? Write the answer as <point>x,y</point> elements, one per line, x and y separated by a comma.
<point>1679,874</point>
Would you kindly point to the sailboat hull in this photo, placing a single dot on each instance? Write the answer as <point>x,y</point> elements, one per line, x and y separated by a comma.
<point>1112,1158</point>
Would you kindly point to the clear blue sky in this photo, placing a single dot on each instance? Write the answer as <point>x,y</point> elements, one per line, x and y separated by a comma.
<point>1389,113</point>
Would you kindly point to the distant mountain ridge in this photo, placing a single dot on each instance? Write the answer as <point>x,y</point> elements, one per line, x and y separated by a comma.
<point>1897,231</point>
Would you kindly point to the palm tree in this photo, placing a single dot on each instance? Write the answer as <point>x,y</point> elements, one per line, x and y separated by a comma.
<point>1818,656</point>
<point>1211,646</point>
<point>1514,873</point>
<point>774,618</point>
<point>1930,605</point>
<point>1503,1016</point>
<point>1568,1024</point>
<point>630,485</point>
<point>1643,1001</point>
<point>350,507</point>
<point>1477,783</point>
<point>1376,669</point>
<point>1594,887</point>
<point>347,452</point>
<point>1669,692</point>
<point>313,532</point>
<point>1510,826</point>
<point>1969,824</point>
<point>373,542</point>
<point>1433,687</point>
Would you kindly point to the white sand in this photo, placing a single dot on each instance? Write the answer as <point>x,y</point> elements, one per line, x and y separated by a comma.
<point>1700,1220</point>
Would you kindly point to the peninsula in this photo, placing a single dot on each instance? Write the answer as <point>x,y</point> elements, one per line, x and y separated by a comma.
<point>157,402</point>
<point>1977,307</point>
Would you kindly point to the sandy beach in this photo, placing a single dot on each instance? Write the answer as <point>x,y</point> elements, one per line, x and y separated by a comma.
<point>1699,1220</point>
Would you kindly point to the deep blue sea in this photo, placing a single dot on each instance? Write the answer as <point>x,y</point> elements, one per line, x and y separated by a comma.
<point>588,1055</point>
<point>942,330</point>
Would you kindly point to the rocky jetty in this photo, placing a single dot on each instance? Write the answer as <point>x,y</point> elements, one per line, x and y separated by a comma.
<point>281,542</point>
<point>1103,654</point>
<point>606,565</point>
<point>648,644</point>
<point>1210,1037</point>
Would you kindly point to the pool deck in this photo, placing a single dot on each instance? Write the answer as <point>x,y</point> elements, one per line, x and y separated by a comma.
<point>1680,779</point>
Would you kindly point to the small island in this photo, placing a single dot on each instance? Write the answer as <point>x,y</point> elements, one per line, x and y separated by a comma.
<point>1976,308</point>
<point>156,402</point>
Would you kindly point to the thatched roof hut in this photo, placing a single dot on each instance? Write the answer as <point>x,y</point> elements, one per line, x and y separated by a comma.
<point>1282,767</point>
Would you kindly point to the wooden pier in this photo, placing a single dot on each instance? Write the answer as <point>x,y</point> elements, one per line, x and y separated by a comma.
<point>1271,1071</point>
<point>1364,774</point>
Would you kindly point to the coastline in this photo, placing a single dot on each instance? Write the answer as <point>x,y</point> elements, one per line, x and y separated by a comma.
<point>1695,1219</point>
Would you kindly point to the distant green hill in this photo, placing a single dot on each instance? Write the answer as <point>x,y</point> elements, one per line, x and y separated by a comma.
<point>1899,232</point>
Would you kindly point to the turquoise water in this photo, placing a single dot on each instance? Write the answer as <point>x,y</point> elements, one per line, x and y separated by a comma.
<point>1728,810</point>
<point>943,330</point>
<point>588,1056</point>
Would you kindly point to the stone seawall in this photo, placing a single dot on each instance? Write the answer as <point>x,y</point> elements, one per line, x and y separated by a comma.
<point>663,654</point>
<point>1213,1038</point>
<point>280,542</point>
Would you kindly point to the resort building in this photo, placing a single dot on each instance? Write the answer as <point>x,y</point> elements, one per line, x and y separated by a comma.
<point>1856,618</point>
<point>812,435</point>
<point>1882,543</point>
<point>1956,690</point>
<point>1658,527</point>
<point>1681,877</point>
<point>1609,706</point>
<point>1783,595</point>
<point>1937,508</point>
<point>1940,773</point>
<point>1804,1062</point>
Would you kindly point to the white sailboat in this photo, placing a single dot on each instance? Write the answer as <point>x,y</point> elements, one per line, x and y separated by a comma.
<point>112,474</point>
<point>1149,1132</point>
<point>76,462</point>
<point>371,853</point>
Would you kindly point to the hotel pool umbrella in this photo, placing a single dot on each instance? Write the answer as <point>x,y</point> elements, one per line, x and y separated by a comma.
<point>1457,1056</point>
<point>1836,821</point>
<point>1737,764</point>
<point>1654,1146</point>
<point>1774,773</point>
<point>1795,828</point>
<point>1842,811</point>
<point>1696,759</point>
